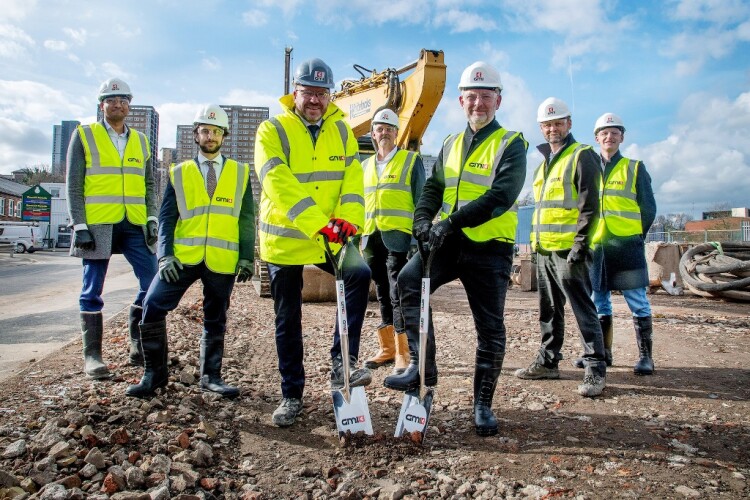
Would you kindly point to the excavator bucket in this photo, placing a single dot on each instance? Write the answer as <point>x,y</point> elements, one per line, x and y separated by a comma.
<point>349,404</point>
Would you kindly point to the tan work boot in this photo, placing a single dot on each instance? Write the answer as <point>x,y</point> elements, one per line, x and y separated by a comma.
<point>402,353</point>
<point>387,351</point>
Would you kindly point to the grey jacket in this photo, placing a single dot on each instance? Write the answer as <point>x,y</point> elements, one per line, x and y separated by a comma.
<point>102,233</point>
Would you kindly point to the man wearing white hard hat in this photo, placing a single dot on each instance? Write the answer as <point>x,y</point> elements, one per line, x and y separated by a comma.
<point>566,193</point>
<point>394,179</point>
<point>628,209</point>
<point>112,205</point>
<point>207,233</point>
<point>474,189</point>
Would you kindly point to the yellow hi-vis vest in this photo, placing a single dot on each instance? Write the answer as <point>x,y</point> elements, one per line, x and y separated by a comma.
<point>305,184</point>
<point>619,212</point>
<point>466,180</point>
<point>114,186</point>
<point>555,220</point>
<point>389,204</point>
<point>209,229</point>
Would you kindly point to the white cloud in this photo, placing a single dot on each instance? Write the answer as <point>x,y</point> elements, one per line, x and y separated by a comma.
<point>255,18</point>
<point>714,11</point>
<point>14,42</point>
<point>78,36</point>
<point>211,63</point>
<point>461,21</point>
<point>111,69</point>
<point>16,10</point>
<point>34,102</point>
<point>706,159</point>
<point>56,45</point>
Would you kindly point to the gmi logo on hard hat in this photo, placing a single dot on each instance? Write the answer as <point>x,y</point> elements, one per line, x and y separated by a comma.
<point>319,76</point>
<point>609,119</point>
<point>478,76</point>
<point>550,110</point>
<point>211,115</point>
<point>115,87</point>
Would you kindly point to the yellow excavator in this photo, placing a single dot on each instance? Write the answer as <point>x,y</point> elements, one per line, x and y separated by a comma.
<point>412,91</point>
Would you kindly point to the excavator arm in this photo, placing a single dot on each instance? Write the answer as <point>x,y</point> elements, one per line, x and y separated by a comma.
<point>413,92</point>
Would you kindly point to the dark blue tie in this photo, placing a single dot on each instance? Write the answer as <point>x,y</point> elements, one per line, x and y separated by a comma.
<point>314,131</point>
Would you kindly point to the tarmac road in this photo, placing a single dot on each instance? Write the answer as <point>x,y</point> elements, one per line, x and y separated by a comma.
<point>39,302</point>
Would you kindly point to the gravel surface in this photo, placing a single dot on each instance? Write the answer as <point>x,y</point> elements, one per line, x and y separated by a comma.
<point>681,433</point>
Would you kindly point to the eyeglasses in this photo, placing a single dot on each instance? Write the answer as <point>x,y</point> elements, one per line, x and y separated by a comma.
<point>309,94</point>
<point>117,100</point>
<point>384,129</point>
<point>205,132</point>
<point>486,98</point>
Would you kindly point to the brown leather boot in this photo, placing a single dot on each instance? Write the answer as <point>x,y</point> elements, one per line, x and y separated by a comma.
<point>387,352</point>
<point>402,353</point>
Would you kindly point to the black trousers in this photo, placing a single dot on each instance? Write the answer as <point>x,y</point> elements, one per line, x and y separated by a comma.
<point>385,265</point>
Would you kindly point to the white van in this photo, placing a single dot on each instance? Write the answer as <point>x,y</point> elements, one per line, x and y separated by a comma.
<point>25,237</point>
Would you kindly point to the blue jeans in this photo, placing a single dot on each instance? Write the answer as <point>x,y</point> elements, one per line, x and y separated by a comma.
<point>484,271</point>
<point>163,297</point>
<point>128,239</point>
<point>635,298</point>
<point>286,290</point>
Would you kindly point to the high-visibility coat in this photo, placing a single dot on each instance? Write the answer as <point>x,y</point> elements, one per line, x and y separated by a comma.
<point>468,179</point>
<point>389,203</point>
<point>114,187</point>
<point>208,229</point>
<point>305,184</point>
<point>555,220</point>
<point>620,213</point>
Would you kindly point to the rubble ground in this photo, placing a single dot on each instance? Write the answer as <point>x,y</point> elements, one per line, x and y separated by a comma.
<point>682,433</point>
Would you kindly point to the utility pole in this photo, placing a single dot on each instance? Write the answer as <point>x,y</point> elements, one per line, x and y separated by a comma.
<point>287,62</point>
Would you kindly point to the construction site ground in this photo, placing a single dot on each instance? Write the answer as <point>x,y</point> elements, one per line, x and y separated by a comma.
<point>682,433</point>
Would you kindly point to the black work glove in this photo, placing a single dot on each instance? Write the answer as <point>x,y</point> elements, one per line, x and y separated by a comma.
<point>85,240</point>
<point>244,270</point>
<point>152,232</point>
<point>578,253</point>
<point>438,233</point>
<point>421,230</point>
<point>168,268</point>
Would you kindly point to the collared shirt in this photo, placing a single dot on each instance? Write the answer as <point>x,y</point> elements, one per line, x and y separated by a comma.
<point>380,164</point>
<point>119,140</point>
<point>218,165</point>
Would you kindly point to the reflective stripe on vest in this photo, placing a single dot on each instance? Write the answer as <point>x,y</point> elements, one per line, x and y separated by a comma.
<point>555,220</point>
<point>389,204</point>
<point>620,213</point>
<point>114,187</point>
<point>208,229</point>
<point>466,180</point>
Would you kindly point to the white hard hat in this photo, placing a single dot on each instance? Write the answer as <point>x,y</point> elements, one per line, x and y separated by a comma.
<point>552,108</point>
<point>386,116</point>
<point>114,87</point>
<point>212,114</point>
<point>608,120</point>
<point>480,75</point>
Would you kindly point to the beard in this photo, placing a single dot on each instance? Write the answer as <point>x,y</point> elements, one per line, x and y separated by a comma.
<point>210,149</point>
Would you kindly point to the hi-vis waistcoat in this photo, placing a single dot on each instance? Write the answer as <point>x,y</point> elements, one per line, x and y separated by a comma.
<point>620,213</point>
<point>555,219</point>
<point>389,204</point>
<point>114,186</point>
<point>305,184</point>
<point>209,229</point>
<point>466,180</point>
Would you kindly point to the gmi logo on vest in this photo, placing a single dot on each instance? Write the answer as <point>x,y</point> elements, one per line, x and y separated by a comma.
<point>336,158</point>
<point>135,160</point>
<point>353,420</point>
<point>224,200</point>
<point>480,166</point>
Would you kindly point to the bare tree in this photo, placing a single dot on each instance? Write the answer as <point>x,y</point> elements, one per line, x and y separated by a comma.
<point>526,199</point>
<point>38,174</point>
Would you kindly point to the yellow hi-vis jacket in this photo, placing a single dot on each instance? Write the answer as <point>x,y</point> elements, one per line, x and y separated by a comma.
<point>468,179</point>
<point>620,213</point>
<point>208,229</point>
<point>305,184</point>
<point>114,187</point>
<point>389,204</point>
<point>555,219</point>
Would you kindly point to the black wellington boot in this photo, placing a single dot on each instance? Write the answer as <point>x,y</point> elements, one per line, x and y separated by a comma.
<point>409,380</point>
<point>608,333</point>
<point>644,336</point>
<point>92,331</point>
<point>154,348</point>
<point>134,320</point>
<point>212,353</point>
<point>486,373</point>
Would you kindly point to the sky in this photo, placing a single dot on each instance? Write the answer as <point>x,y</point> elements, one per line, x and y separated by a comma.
<point>676,71</point>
